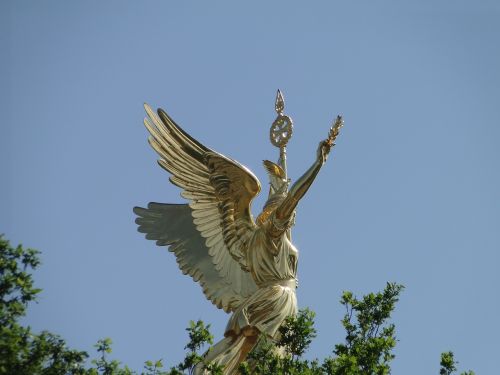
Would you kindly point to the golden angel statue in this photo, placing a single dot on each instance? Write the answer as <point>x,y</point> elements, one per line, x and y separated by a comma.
<point>246,267</point>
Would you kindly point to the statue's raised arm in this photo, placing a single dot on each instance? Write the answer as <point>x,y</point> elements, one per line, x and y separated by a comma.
<point>298,190</point>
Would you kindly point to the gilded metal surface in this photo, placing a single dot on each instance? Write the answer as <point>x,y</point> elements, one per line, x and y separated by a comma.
<point>281,130</point>
<point>245,267</point>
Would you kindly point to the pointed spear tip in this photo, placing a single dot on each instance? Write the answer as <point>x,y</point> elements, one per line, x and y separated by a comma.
<point>279,95</point>
<point>280,102</point>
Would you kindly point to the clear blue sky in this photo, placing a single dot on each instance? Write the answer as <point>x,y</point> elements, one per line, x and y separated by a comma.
<point>410,194</point>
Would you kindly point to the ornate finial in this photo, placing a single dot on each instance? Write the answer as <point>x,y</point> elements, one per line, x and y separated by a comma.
<point>282,127</point>
<point>280,103</point>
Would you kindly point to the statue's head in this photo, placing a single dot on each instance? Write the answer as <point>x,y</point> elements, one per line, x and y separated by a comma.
<point>269,207</point>
<point>278,189</point>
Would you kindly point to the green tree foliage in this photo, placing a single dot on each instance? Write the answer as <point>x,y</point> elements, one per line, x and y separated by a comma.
<point>22,351</point>
<point>369,339</point>
<point>367,349</point>
<point>448,365</point>
<point>199,336</point>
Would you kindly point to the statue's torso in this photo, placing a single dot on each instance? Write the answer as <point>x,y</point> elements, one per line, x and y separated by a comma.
<point>271,259</point>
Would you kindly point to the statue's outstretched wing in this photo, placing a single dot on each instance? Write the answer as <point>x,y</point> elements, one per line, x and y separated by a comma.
<point>172,225</point>
<point>220,191</point>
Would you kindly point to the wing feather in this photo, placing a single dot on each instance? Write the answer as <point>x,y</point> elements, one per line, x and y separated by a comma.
<point>171,225</point>
<point>220,192</point>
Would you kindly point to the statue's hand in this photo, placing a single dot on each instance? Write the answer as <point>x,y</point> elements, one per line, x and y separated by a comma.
<point>323,151</point>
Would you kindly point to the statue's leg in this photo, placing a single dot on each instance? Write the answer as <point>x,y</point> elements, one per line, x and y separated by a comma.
<point>230,351</point>
<point>251,335</point>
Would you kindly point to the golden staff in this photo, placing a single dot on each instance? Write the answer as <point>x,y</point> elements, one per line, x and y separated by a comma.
<point>281,130</point>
